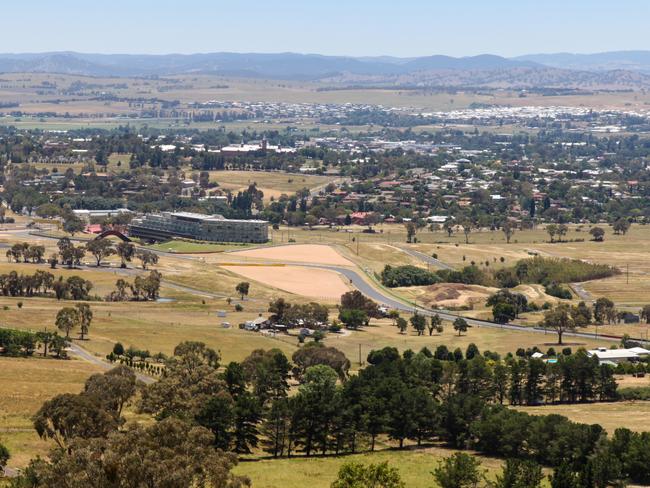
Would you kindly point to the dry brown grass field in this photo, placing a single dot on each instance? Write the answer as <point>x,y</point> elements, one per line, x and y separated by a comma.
<point>632,415</point>
<point>25,385</point>
<point>272,184</point>
<point>35,99</point>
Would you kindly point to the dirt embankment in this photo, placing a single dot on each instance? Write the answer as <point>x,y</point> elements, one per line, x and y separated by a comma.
<point>455,295</point>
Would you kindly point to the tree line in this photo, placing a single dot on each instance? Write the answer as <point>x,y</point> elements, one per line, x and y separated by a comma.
<point>20,343</point>
<point>546,271</point>
<point>414,396</point>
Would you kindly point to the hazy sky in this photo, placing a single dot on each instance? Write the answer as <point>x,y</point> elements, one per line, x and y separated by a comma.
<point>352,27</point>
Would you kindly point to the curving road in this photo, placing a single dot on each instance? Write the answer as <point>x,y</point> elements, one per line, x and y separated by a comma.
<point>385,298</point>
<point>374,292</point>
<point>91,358</point>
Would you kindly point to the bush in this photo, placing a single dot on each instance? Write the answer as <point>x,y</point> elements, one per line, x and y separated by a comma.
<point>17,342</point>
<point>469,275</point>
<point>334,328</point>
<point>407,276</point>
<point>638,393</point>
<point>558,291</point>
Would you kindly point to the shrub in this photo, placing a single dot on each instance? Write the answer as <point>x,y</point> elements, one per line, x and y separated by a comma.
<point>469,275</point>
<point>407,276</point>
<point>558,291</point>
<point>638,393</point>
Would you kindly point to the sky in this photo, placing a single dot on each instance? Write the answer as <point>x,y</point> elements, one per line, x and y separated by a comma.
<point>335,27</point>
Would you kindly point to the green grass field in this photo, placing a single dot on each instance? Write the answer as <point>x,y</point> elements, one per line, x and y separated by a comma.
<point>415,467</point>
<point>180,247</point>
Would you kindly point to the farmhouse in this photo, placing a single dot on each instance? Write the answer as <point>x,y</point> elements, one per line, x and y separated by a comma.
<point>615,356</point>
<point>215,228</point>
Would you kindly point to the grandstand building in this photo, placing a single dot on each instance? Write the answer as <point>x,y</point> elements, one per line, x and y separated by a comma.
<point>215,228</point>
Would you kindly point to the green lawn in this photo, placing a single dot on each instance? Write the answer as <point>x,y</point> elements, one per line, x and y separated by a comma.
<point>415,467</point>
<point>179,246</point>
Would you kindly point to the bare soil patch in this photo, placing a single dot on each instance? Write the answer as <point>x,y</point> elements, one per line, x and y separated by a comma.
<point>300,253</point>
<point>311,282</point>
<point>450,294</point>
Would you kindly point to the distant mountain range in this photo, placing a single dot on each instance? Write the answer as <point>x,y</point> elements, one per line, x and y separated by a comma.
<point>625,69</point>
<point>616,60</point>
<point>281,65</point>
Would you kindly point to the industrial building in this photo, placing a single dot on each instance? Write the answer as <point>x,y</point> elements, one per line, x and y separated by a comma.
<point>215,228</point>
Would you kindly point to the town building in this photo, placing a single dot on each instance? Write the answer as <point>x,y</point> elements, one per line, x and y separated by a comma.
<point>215,228</point>
<point>87,215</point>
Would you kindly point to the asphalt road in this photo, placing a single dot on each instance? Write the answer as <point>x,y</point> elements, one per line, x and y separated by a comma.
<point>78,351</point>
<point>384,298</point>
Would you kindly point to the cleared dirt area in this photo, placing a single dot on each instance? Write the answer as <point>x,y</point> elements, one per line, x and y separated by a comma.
<point>456,295</point>
<point>300,253</point>
<point>449,294</point>
<point>317,283</point>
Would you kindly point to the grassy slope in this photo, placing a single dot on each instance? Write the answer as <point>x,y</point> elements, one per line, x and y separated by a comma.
<point>25,385</point>
<point>415,467</point>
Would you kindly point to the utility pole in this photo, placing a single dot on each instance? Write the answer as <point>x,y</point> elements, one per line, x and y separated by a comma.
<point>359,354</point>
<point>357,245</point>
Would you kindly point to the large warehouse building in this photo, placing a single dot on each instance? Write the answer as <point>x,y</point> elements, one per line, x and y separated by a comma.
<point>215,228</point>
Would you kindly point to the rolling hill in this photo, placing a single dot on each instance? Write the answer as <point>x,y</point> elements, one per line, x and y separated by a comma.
<point>621,70</point>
